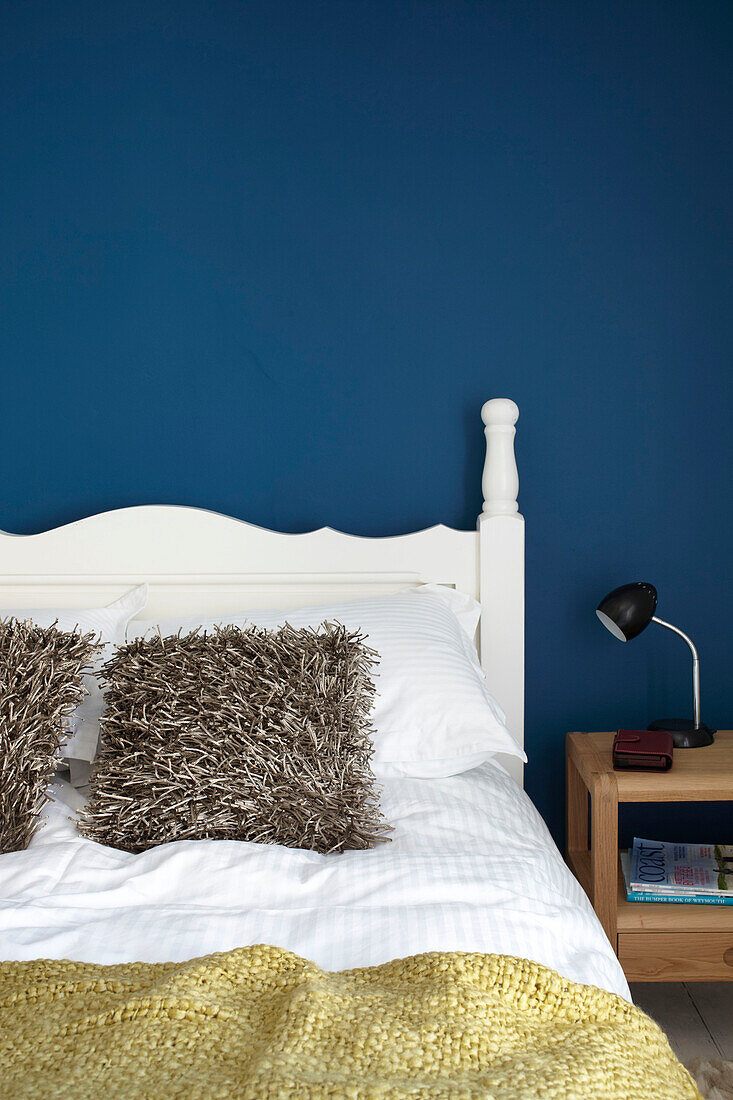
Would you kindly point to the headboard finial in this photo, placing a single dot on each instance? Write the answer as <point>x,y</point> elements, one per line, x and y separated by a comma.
<point>500,482</point>
<point>500,410</point>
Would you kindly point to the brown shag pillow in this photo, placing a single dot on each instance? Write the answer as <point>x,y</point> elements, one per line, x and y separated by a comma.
<point>41,685</point>
<point>255,734</point>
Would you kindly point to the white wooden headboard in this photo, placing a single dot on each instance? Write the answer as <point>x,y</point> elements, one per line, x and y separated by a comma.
<point>196,560</point>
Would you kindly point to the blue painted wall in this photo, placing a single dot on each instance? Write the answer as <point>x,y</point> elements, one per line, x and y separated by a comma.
<point>271,257</point>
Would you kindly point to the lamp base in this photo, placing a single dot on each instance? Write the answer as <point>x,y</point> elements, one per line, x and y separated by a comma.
<point>685,734</point>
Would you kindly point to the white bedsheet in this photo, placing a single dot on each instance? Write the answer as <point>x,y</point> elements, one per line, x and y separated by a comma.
<point>471,867</point>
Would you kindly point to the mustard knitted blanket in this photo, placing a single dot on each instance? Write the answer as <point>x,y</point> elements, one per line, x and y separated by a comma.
<point>260,1023</point>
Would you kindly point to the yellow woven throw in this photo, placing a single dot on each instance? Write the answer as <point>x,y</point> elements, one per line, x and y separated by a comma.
<point>263,1024</point>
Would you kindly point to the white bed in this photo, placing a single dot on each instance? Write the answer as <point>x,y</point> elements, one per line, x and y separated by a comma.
<point>471,865</point>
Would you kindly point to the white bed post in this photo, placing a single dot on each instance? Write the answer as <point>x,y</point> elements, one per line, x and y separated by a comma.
<point>501,571</point>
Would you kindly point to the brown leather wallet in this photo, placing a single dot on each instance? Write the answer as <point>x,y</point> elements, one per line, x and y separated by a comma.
<point>645,750</point>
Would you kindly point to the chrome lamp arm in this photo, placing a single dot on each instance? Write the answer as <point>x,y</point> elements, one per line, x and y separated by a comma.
<point>695,666</point>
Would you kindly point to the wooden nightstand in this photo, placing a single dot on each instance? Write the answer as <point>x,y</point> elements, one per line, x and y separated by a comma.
<point>654,942</point>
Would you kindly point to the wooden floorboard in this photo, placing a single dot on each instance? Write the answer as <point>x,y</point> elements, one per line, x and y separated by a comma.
<point>671,1005</point>
<point>714,1002</point>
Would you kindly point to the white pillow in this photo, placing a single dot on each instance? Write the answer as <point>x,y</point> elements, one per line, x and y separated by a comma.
<point>432,769</point>
<point>109,623</point>
<point>432,713</point>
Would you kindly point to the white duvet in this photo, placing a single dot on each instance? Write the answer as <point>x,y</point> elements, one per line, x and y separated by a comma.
<point>471,867</point>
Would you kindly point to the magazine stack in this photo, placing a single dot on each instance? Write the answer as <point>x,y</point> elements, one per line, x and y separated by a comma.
<point>696,874</point>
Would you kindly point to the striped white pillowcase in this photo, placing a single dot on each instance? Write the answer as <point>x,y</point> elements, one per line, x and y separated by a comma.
<point>433,713</point>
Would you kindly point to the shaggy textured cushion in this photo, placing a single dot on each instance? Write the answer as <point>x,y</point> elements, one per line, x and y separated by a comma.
<point>41,685</point>
<point>241,735</point>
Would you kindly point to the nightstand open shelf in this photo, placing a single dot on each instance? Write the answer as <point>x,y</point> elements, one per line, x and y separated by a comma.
<point>654,942</point>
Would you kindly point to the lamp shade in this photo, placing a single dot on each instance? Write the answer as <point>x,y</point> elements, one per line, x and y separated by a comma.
<point>628,610</point>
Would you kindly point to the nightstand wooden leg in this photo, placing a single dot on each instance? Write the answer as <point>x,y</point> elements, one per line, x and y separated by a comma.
<point>576,820</point>
<point>604,852</point>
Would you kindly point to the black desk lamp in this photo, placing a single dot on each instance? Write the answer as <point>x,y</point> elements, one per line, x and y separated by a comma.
<point>626,612</point>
